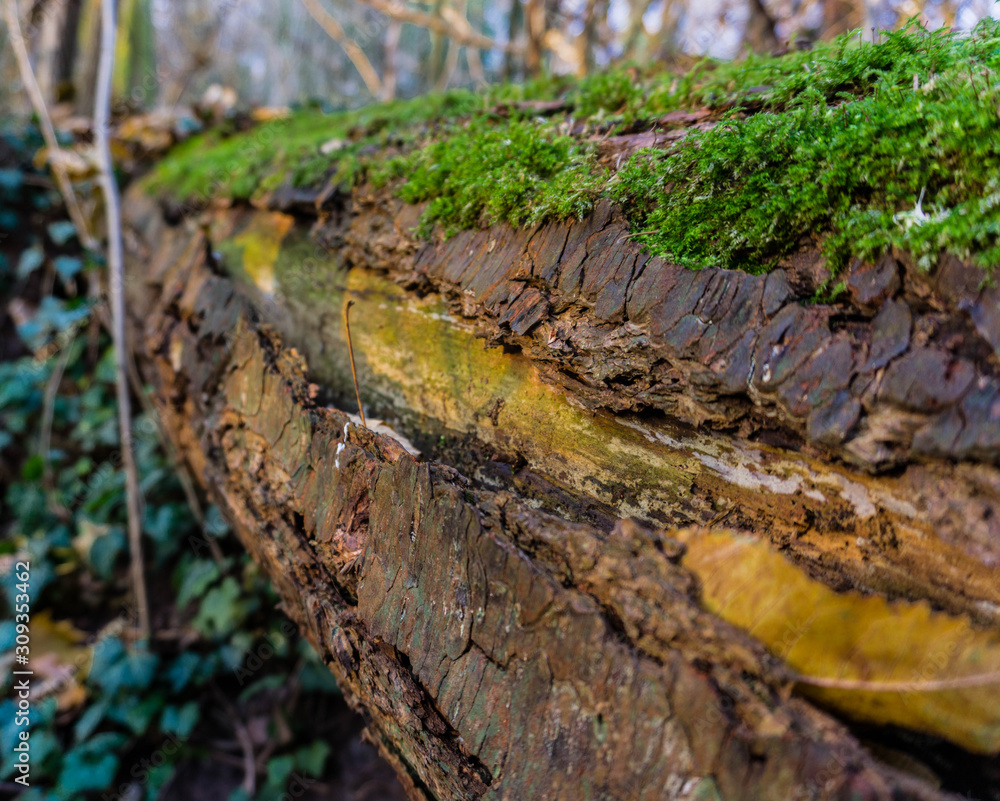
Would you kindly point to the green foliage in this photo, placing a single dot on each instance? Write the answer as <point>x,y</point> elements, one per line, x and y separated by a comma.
<point>518,172</point>
<point>604,93</point>
<point>895,166</point>
<point>222,164</point>
<point>864,145</point>
<point>833,142</point>
<point>117,703</point>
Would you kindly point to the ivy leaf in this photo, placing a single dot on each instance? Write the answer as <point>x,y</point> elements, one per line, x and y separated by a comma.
<point>33,468</point>
<point>114,667</point>
<point>279,769</point>
<point>161,521</point>
<point>91,765</point>
<point>157,779</point>
<point>105,550</point>
<point>8,635</point>
<point>90,720</point>
<point>183,670</point>
<point>180,720</point>
<point>61,231</point>
<point>67,266</point>
<point>221,609</point>
<point>31,259</point>
<point>10,179</point>
<point>312,758</point>
<point>136,714</point>
<point>198,576</point>
<point>215,524</point>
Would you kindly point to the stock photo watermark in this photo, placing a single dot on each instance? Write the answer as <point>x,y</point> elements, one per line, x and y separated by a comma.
<point>22,673</point>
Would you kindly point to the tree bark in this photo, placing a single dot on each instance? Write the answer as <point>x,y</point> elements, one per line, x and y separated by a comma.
<point>512,611</point>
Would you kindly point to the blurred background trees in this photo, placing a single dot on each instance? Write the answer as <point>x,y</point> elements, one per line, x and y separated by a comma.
<point>344,53</point>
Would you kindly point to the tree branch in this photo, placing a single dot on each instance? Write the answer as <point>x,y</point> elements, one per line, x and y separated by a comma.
<point>350,47</point>
<point>116,280</point>
<point>463,35</point>
<point>390,51</point>
<point>11,16</point>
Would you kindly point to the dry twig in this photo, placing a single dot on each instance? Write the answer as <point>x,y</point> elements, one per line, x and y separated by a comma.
<point>350,351</point>
<point>48,415</point>
<point>350,47</point>
<point>11,16</point>
<point>116,281</point>
<point>390,48</point>
<point>242,737</point>
<point>461,34</point>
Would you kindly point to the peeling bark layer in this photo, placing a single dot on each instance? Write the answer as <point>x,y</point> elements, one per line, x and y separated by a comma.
<point>901,379</point>
<point>496,650</point>
<point>530,424</point>
<point>720,347</point>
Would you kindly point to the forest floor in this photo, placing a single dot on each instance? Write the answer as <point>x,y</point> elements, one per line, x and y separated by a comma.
<point>226,701</point>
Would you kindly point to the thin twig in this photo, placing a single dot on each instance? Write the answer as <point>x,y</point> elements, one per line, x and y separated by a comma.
<point>48,414</point>
<point>11,16</point>
<point>116,279</point>
<point>459,35</point>
<point>451,57</point>
<point>350,351</point>
<point>584,43</point>
<point>458,18</point>
<point>475,63</point>
<point>635,28</point>
<point>390,49</point>
<point>244,739</point>
<point>176,463</point>
<point>350,47</point>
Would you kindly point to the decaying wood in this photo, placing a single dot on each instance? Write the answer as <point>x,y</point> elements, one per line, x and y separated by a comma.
<point>722,351</point>
<point>504,632</point>
<point>886,393</point>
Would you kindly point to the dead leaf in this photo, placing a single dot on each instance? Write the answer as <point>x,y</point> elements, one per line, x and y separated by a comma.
<point>894,646</point>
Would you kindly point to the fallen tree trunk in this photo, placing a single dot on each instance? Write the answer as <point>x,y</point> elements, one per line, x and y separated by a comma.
<point>504,631</point>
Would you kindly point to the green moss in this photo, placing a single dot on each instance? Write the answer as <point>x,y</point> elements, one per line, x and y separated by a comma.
<point>519,171</point>
<point>834,143</point>
<point>218,164</point>
<point>854,170</point>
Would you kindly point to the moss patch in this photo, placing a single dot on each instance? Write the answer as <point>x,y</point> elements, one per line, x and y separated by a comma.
<point>303,149</point>
<point>863,146</point>
<point>518,171</point>
<point>912,162</point>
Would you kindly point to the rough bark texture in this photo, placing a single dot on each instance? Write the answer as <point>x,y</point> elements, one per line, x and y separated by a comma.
<point>499,651</point>
<point>902,380</point>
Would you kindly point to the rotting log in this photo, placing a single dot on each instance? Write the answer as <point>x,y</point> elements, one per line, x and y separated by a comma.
<point>504,631</point>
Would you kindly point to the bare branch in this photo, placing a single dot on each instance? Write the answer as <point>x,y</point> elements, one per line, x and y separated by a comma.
<point>534,27</point>
<point>390,51</point>
<point>461,34</point>
<point>451,58</point>
<point>350,47</point>
<point>11,17</point>
<point>637,11</point>
<point>584,41</point>
<point>459,20</point>
<point>116,280</point>
<point>555,41</point>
